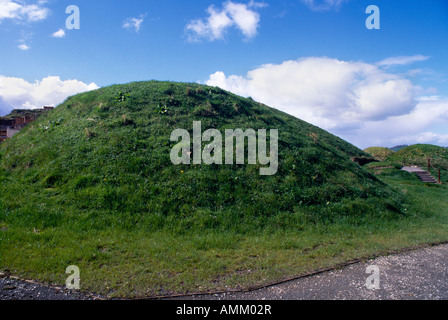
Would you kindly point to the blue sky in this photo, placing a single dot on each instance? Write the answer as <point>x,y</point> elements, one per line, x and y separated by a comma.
<point>314,59</point>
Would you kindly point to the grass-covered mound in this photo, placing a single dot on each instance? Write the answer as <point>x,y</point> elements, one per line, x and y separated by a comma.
<point>102,158</point>
<point>419,154</point>
<point>399,147</point>
<point>379,153</point>
<point>91,184</point>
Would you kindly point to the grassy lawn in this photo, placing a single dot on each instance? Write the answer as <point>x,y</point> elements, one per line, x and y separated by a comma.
<point>121,263</point>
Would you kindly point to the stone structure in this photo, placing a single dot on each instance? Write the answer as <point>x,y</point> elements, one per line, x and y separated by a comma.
<point>17,120</point>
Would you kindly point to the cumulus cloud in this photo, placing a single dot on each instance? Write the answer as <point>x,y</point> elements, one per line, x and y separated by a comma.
<point>134,23</point>
<point>59,34</point>
<point>238,15</point>
<point>421,125</point>
<point>351,99</point>
<point>17,93</point>
<point>328,92</point>
<point>20,11</point>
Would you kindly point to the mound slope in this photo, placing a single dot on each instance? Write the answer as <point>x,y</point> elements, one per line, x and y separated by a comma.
<point>379,153</point>
<point>102,159</point>
<point>419,154</point>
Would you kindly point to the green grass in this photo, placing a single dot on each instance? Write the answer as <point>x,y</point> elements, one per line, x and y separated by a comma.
<point>419,154</point>
<point>137,263</point>
<point>379,153</point>
<point>91,184</point>
<point>102,158</point>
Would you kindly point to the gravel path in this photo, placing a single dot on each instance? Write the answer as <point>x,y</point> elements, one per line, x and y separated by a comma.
<point>415,275</point>
<point>421,274</point>
<point>14,289</point>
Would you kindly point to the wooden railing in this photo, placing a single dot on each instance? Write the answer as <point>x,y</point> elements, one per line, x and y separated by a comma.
<point>431,166</point>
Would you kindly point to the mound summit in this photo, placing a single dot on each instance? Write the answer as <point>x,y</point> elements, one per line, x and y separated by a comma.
<point>103,158</point>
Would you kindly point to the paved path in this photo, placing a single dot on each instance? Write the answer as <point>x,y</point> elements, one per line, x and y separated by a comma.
<point>420,274</point>
<point>412,169</point>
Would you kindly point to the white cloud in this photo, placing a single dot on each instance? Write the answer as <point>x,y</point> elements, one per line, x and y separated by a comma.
<point>358,101</point>
<point>18,93</point>
<point>328,92</point>
<point>34,12</point>
<point>402,60</point>
<point>59,34</point>
<point>324,5</point>
<point>421,125</point>
<point>8,9</point>
<point>24,40</point>
<point>432,98</point>
<point>238,15</point>
<point>134,23</point>
<point>20,11</point>
<point>23,47</point>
